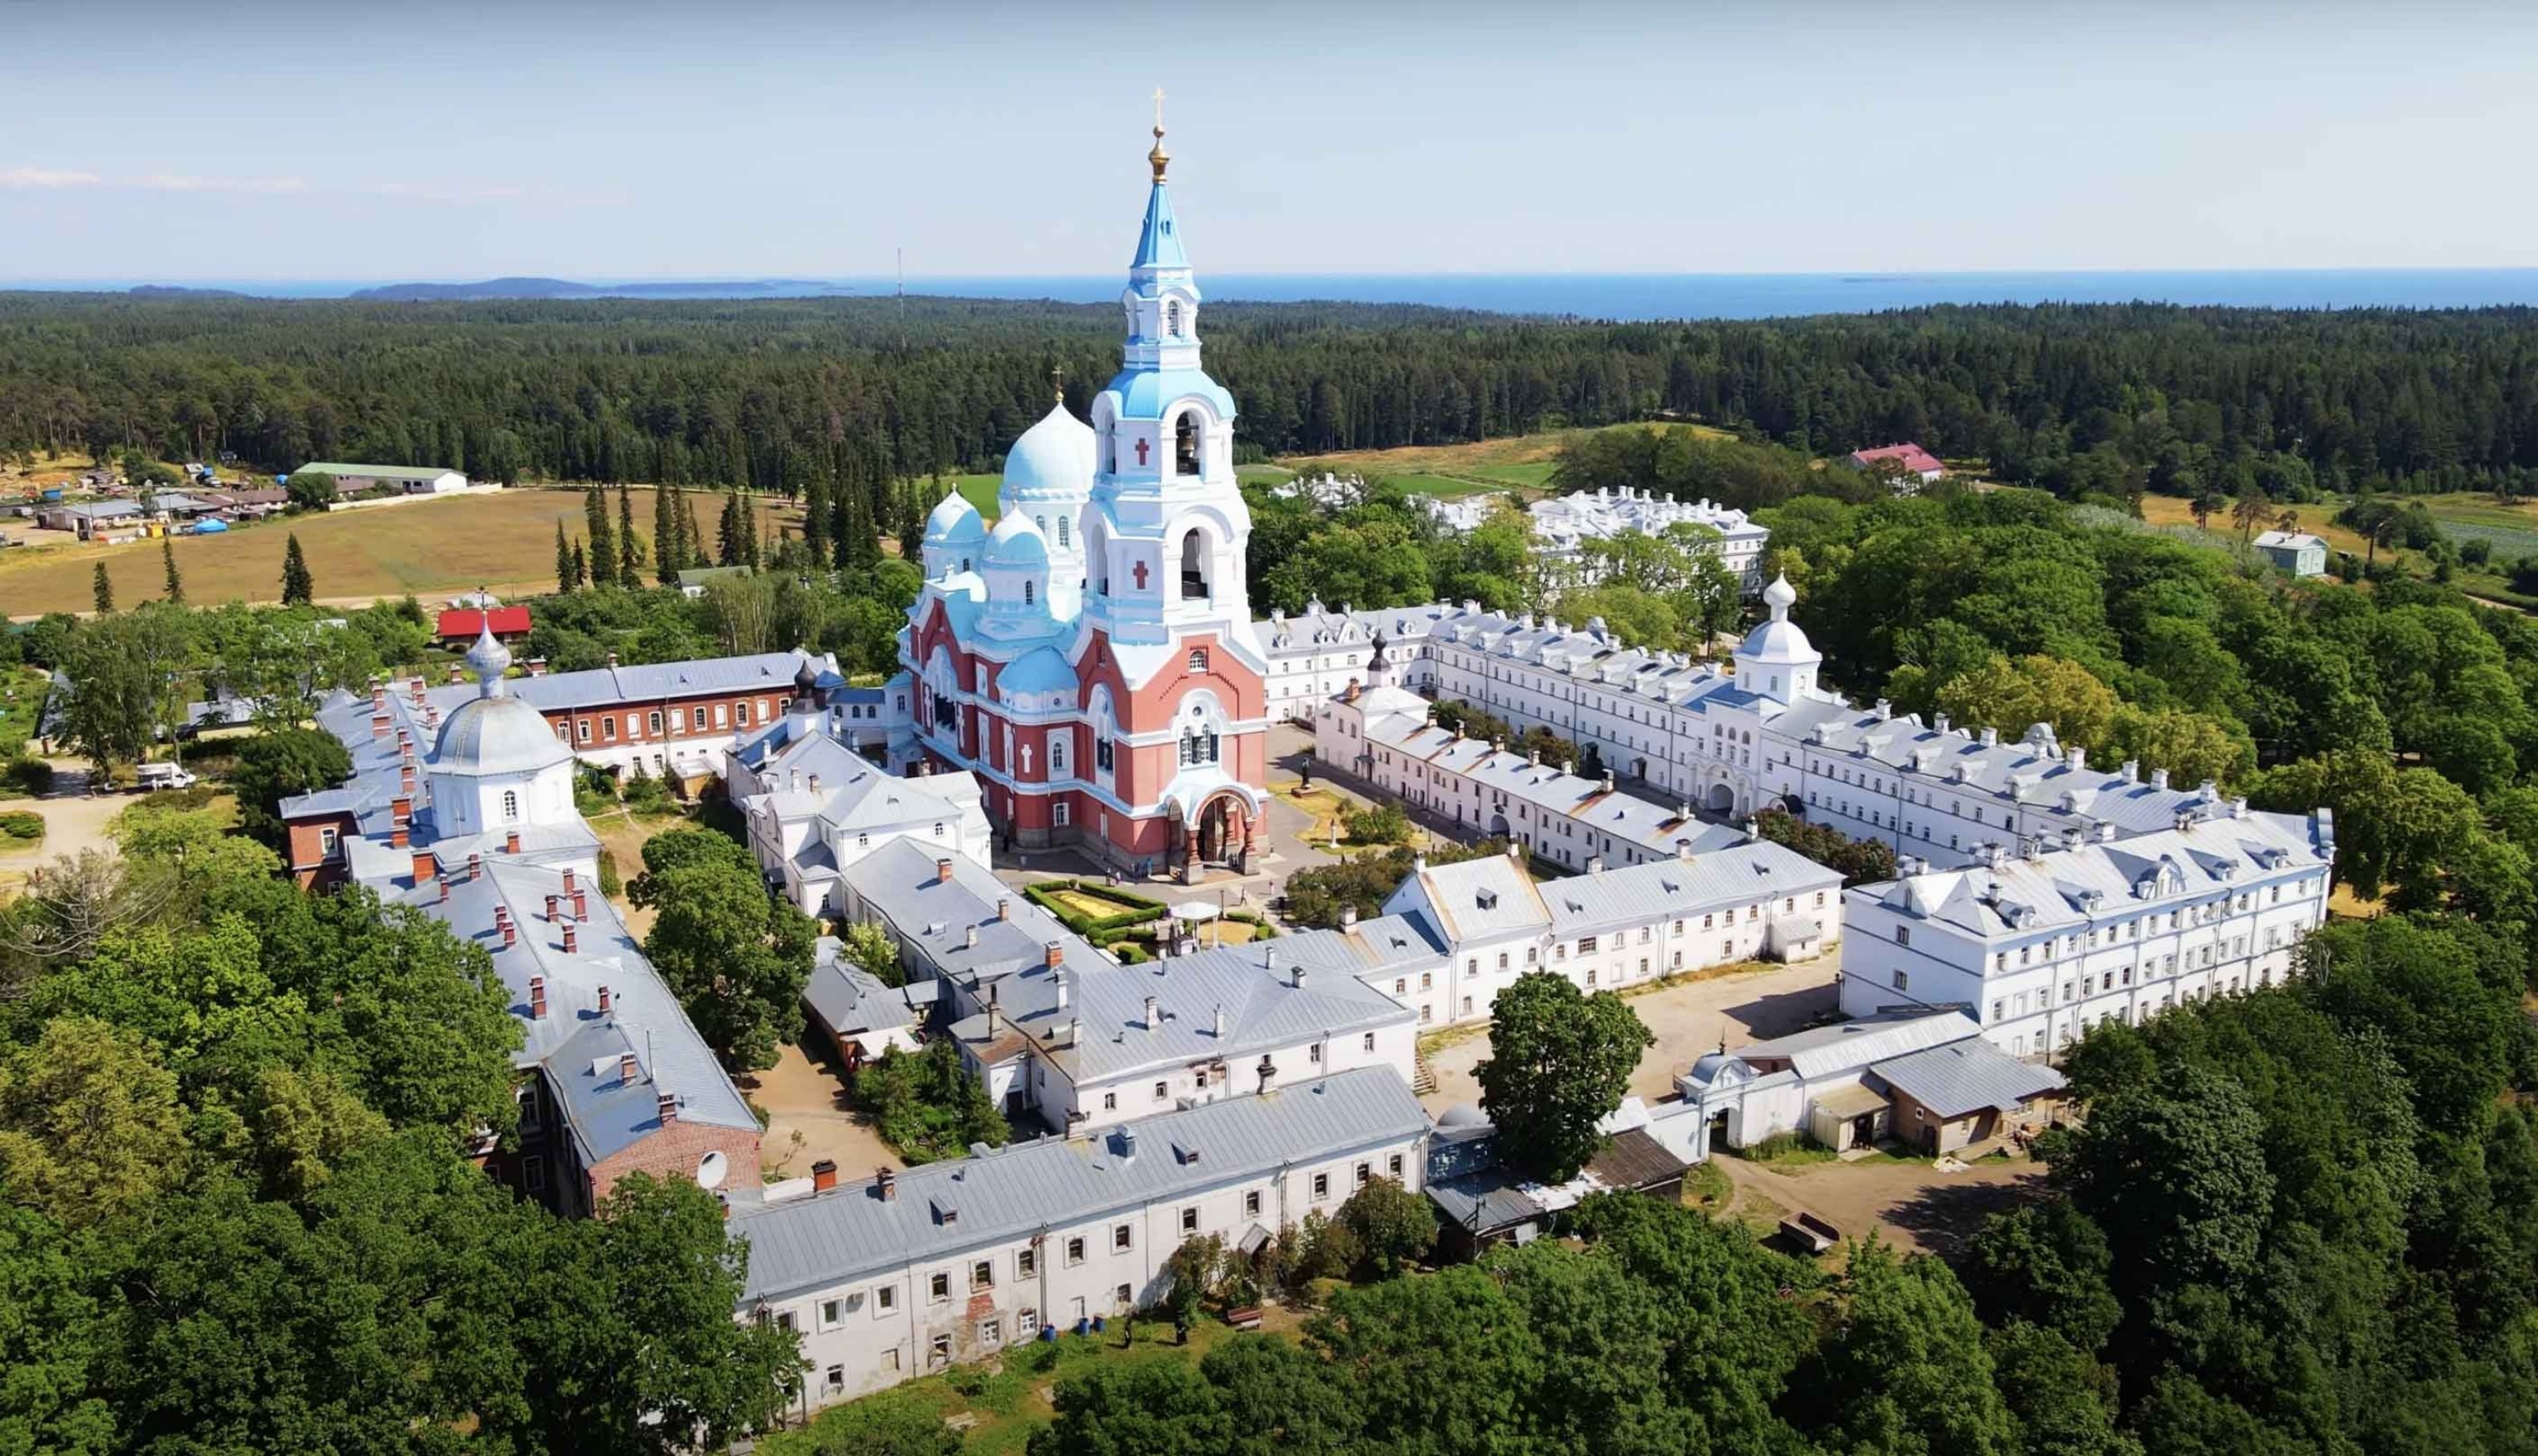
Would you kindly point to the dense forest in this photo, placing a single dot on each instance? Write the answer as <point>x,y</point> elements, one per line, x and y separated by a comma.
<point>2098,399</point>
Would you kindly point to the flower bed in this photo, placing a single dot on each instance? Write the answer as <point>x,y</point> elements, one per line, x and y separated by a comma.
<point>1074,903</point>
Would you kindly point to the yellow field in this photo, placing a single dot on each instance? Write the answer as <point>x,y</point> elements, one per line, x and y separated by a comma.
<point>2177,511</point>
<point>505,542</point>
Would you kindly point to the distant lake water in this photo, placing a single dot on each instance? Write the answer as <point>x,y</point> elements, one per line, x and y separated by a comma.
<point>1653,296</point>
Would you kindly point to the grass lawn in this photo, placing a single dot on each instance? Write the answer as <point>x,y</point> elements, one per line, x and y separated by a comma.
<point>1000,1405</point>
<point>22,700</point>
<point>1517,462</point>
<point>981,492</point>
<point>431,548</point>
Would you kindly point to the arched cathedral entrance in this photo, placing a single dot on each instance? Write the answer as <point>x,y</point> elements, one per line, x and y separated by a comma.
<point>1224,833</point>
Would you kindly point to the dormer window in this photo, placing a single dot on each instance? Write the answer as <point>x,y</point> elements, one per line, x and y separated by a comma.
<point>1198,660</point>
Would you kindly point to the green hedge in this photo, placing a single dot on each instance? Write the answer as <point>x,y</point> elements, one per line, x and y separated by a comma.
<point>1129,953</point>
<point>27,776</point>
<point>1140,908</point>
<point>22,825</point>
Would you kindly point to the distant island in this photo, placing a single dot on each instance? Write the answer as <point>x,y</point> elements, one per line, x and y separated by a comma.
<point>172,291</point>
<point>562,287</point>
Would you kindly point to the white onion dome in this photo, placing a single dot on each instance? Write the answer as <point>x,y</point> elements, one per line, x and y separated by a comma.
<point>488,659</point>
<point>1778,641</point>
<point>955,522</point>
<point>1053,459</point>
<point>1017,543</point>
<point>497,735</point>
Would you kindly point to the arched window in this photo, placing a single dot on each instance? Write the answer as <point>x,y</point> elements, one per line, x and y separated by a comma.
<point>1061,531</point>
<point>1193,567</point>
<point>1198,659</point>
<point>1186,443</point>
<point>1173,318</point>
<point>1042,522</point>
<point>1197,748</point>
<point>510,805</point>
<point>1027,593</point>
<point>1057,755</point>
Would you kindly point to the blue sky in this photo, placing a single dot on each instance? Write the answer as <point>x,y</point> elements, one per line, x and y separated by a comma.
<point>264,138</point>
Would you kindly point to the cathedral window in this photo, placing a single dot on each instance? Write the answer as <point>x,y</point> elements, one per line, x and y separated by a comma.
<point>1042,522</point>
<point>1103,753</point>
<point>1197,749</point>
<point>1057,755</point>
<point>1028,597</point>
<point>1198,659</point>
<point>1061,531</point>
<point>510,805</point>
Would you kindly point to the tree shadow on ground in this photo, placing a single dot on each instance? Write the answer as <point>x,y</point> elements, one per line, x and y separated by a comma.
<point>1947,1215</point>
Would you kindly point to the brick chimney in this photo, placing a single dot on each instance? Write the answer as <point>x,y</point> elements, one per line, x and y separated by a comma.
<point>580,906</point>
<point>1053,955</point>
<point>552,899</point>
<point>401,810</point>
<point>668,1107</point>
<point>537,667</point>
<point>511,842</point>
<point>568,886</point>
<point>887,1182</point>
<point>629,1070</point>
<point>455,674</point>
<point>943,872</point>
<point>475,864</point>
<point>405,774</point>
<point>511,937</point>
<point>425,868</point>
<point>568,937</point>
<point>823,1175</point>
<point>380,725</point>
<point>608,1003</point>
<point>537,995</point>
<point>396,837</point>
<point>1004,908</point>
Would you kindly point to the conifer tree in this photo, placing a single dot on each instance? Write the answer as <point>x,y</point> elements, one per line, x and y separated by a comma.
<point>816,522</point>
<point>298,589</point>
<point>581,566</point>
<point>912,507</point>
<point>103,586</point>
<point>691,540</point>
<point>729,542</point>
<point>167,556</point>
<point>602,558</point>
<point>566,580</point>
<point>669,554</point>
<point>630,551</point>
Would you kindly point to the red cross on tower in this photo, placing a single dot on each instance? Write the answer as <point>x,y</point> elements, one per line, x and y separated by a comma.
<point>1141,452</point>
<point>1140,572</point>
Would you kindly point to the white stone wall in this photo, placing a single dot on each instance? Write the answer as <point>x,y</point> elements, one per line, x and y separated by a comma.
<point>2035,992</point>
<point>859,1340</point>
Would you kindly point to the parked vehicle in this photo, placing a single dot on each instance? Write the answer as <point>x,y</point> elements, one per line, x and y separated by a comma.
<point>154,777</point>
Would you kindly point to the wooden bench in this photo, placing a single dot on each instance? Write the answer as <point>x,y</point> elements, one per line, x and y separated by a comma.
<point>1245,1318</point>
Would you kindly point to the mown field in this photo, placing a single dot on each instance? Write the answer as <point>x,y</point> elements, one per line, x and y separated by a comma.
<point>432,546</point>
<point>1522,463</point>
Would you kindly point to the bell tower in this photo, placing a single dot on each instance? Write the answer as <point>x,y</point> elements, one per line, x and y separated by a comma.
<point>1166,503</point>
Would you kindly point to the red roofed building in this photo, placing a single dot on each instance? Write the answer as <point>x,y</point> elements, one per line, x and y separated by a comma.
<point>1909,456</point>
<point>460,625</point>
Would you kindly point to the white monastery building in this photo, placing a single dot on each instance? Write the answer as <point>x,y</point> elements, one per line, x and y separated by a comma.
<point>1563,524</point>
<point>903,1274</point>
<point>1320,651</point>
<point>2039,946</point>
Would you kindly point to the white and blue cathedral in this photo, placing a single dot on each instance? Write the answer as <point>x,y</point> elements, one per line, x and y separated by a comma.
<point>1091,658</point>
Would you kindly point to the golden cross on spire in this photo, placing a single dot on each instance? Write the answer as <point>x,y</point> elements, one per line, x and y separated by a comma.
<point>1057,381</point>
<point>1158,156</point>
<point>1158,111</point>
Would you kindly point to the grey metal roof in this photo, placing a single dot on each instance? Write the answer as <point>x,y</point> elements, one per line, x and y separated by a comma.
<point>823,1239</point>
<point>902,881</point>
<point>1966,1077</point>
<point>1821,1051</point>
<point>849,1000</point>
<point>580,1048</point>
<point>1757,870</point>
<point>599,687</point>
<point>1476,898</point>
<point>1253,986</point>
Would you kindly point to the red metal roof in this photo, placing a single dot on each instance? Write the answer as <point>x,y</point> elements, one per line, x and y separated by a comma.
<point>1907,454</point>
<point>467,622</point>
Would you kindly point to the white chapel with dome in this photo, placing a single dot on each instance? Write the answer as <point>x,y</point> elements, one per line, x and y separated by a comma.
<point>1091,658</point>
